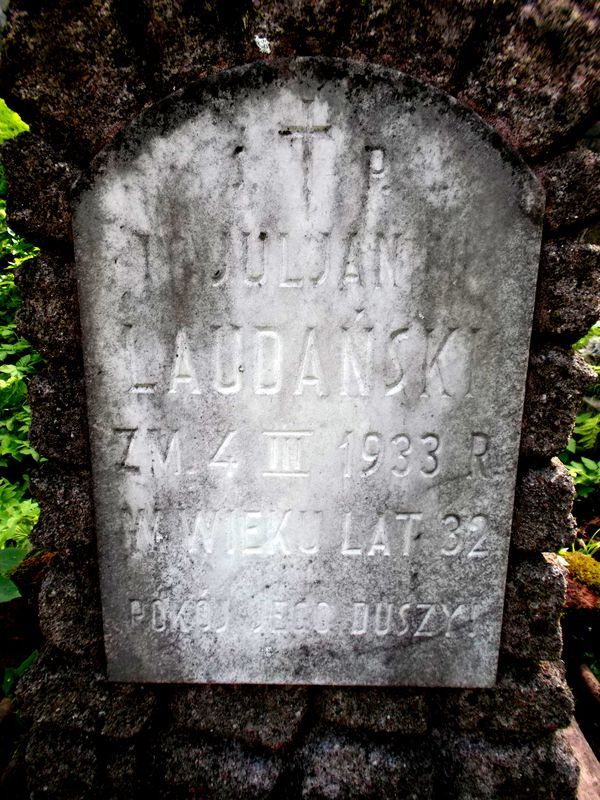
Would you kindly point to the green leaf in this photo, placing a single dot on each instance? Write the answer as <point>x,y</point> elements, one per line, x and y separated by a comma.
<point>589,463</point>
<point>12,674</point>
<point>8,590</point>
<point>11,557</point>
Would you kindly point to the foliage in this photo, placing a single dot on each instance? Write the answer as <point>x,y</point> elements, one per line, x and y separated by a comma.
<point>580,457</point>
<point>11,125</point>
<point>12,674</point>
<point>18,512</point>
<point>589,547</point>
<point>585,472</point>
<point>584,569</point>
<point>10,558</point>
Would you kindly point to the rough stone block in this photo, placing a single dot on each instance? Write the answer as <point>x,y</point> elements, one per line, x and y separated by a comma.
<point>219,772</point>
<point>49,315</point>
<point>66,524</point>
<point>572,184</point>
<point>58,427</point>
<point>39,184</point>
<point>556,382</point>
<point>315,28</point>
<point>61,764</point>
<point>183,41</point>
<point>58,692</point>
<point>339,768</point>
<point>404,711</point>
<point>537,79</point>
<point>568,301</point>
<point>535,592</point>
<point>69,70</point>
<point>426,39</point>
<point>267,716</point>
<point>69,613</point>
<point>124,772</point>
<point>543,503</point>
<point>476,769</point>
<point>525,703</point>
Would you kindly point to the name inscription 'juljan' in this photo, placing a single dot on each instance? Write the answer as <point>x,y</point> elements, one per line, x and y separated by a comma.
<point>305,296</point>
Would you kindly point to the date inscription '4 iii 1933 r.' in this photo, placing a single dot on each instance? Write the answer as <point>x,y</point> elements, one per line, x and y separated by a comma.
<point>306,291</point>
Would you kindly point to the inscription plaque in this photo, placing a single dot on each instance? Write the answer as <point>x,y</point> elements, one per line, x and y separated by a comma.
<point>306,294</point>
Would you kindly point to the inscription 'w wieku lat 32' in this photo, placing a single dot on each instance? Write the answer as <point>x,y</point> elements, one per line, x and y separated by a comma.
<point>306,292</point>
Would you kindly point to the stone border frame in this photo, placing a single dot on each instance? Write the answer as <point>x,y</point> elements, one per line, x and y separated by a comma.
<point>78,73</point>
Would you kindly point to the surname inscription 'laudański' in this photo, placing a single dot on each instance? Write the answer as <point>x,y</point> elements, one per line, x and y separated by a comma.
<point>306,293</point>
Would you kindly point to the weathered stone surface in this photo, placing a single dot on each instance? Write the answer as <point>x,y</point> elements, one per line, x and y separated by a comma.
<point>402,711</point>
<point>66,524</point>
<point>49,315</point>
<point>556,381</point>
<point>335,310</point>
<point>424,39</point>
<point>56,692</point>
<point>535,591</point>
<point>294,26</point>
<point>183,41</point>
<point>58,427</point>
<point>39,183</point>
<point>525,703</point>
<point>266,716</point>
<point>543,503</point>
<point>61,764</point>
<point>69,614</point>
<point>537,79</point>
<point>572,184</point>
<point>68,69</point>
<point>125,771</point>
<point>568,301</point>
<point>429,40</point>
<point>539,770</point>
<point>216,772</point>
<point>337,767</point>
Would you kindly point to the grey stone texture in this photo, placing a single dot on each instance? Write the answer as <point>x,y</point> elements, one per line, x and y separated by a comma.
<point>568,301</point>
<point>49,316</point>
<point>258,715</point>
<point>335,310</point>
<point>537,768</point>
<point>572,184</point>
<point>337,766</point>
<point>185,767</point>
<point>398,710</point>
<point>543,502</point>
<point>40,211</point>
<point>557,380</point>
<point>528,69</point>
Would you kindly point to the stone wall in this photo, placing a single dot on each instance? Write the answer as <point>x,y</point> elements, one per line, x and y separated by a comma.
<point>78,72</point>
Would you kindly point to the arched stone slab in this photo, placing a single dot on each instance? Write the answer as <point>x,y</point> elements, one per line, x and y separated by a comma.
<point>306,295</point>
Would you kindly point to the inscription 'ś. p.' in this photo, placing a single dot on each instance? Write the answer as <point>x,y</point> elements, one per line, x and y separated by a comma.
<point>306,291</point>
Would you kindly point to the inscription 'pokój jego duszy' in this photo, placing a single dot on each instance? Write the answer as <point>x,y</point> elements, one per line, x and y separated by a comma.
<point>306,291</point>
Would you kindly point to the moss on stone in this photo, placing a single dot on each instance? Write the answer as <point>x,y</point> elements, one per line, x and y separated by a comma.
<point>585,569</point>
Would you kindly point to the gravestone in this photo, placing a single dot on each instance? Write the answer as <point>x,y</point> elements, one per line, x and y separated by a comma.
<point>306,295</point>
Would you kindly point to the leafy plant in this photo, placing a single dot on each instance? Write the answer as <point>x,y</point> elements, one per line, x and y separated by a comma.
<point>585,474</point>
<point>10,558</point>
<point>12,674</point>
<point>18,512</point>
<point>587,430</point>
<point>580,456</point>
<point>589,547</point>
